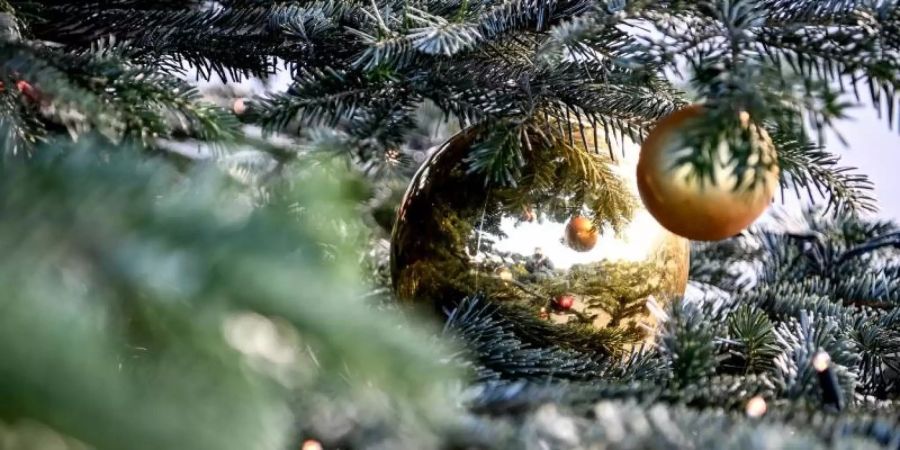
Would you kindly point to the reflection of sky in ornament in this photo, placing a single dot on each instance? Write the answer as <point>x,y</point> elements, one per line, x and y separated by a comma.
<point>635,243</point>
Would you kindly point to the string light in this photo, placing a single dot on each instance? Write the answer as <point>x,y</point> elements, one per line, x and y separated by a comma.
<point>239,106</point>
<point>821,361</point>
<point>311,444</point>
<point>756,407</point>
<point>831,394</point>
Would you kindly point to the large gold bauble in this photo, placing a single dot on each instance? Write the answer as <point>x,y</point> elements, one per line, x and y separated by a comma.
<point>552,235</point>
<point>700,210</point>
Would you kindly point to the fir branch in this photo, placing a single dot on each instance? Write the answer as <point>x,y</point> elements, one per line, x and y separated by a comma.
<point>98,91</point>
<point>501,355</point>
<point>754,334</point>
<point>688,345</point>
<point>808,167</point>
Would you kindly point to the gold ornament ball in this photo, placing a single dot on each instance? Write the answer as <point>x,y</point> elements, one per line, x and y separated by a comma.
<point>703,210</point>
<point>581,234</point>
<point>456,236</point>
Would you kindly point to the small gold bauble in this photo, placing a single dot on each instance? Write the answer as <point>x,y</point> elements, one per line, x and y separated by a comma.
<point>583,236</point>
<point>687,205</point>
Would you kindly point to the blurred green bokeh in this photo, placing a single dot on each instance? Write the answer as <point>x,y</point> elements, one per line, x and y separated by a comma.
<point>146,308</point>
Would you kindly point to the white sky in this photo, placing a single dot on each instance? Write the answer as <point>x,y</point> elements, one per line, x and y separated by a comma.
<point>875,150</point>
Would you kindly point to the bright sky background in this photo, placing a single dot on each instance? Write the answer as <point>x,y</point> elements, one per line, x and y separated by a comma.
<point>637,241</point>
<point>875,150</point>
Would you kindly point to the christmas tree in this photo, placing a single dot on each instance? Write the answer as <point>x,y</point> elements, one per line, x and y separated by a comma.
<point>196,253</point>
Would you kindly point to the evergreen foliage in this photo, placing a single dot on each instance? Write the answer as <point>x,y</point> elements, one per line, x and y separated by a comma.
<point>147,309</point>
<point>366,65</point>
<point>716,353</point>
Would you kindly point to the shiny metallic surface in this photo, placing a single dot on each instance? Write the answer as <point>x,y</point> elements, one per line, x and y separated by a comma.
<point>535,242</point>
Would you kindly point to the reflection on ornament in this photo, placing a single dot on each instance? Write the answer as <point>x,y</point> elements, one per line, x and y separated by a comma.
<point>453,235</point>
<point>690,207</point>
<point>565,302</point>
<point>28,90</point>
<point>528,215</point>
<point>544,313</point>
<point>581,234</point>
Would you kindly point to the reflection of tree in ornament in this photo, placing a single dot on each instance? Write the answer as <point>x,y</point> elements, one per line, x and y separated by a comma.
<point>605,294</point>
<point>608,291</point>
<point>620,291</point>
<point>457,235</point>
<point>444,237</point>
<point>565,177</point>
